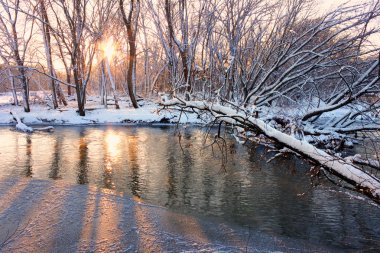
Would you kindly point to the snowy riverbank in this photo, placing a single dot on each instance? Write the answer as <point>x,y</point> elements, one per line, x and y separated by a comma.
<point>96,114</point>
<point>42,114</point>
<point>50,216</point>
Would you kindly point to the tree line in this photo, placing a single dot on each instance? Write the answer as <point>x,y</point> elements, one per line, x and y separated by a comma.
<point>250,52</point>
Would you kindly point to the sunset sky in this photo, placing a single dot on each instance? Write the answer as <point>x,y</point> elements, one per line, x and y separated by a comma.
<point>329,4</point>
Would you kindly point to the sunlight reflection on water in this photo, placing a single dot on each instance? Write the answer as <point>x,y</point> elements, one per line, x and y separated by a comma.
<point>149,164</point>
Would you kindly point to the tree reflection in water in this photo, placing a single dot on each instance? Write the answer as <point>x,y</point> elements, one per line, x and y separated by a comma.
<point>148,163</point>
<point>56,159</point>
<point>83,158</point>
<point>29,160</point>
<point>133,164</point>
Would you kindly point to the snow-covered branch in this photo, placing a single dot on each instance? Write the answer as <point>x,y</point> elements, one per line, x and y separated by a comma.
<point>342,168</point>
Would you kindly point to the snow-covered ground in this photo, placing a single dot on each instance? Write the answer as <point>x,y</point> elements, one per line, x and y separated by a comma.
<point>50,216</point>
<point>149,112</point>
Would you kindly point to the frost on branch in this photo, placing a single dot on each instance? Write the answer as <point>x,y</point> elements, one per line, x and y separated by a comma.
<point>344,169</point>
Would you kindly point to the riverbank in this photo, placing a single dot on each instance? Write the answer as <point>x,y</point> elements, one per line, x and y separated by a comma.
<point>149,112</point>
<point>96,114</point>
<point>50,216</point>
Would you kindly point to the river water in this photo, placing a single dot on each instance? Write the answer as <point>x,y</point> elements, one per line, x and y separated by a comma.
<point>226,181</point>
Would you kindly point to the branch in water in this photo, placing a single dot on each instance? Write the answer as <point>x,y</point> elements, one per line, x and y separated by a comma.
<point>346,170</point>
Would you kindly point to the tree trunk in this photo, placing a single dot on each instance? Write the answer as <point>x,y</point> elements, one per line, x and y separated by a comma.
<point>131,63</point>
<point>25,88</point>
<point>183,47</point>
<point>102,85</point>
<point>361,180</point>
<point>13,85</point>
<point>22,71</point>
<point>68,80</point>
<point>186,74</point>
<point>47,44</point>
<point>60,94</point>
<point>132,49</point>
<point>113,84</point>
<point>79,90</point>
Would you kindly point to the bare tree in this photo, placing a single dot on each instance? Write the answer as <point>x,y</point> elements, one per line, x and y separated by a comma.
<point>46,31</point>
<point>290,58</point>
<point>131,22</point>
<point>189,35</point>
<point>102,25</point>
<point>17,30</point>
<point>71,19</point>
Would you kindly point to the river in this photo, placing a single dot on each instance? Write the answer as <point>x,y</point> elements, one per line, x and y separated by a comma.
<point>225,181</point>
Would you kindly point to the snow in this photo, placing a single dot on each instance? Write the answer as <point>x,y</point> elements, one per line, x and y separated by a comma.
<point>149,112</point>
<point>362,161</point>
<point>50,216</point>
<point>334,163</point>
<point>23,128</point>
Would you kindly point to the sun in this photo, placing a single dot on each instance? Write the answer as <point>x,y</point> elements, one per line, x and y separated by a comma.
<point>108,48</point>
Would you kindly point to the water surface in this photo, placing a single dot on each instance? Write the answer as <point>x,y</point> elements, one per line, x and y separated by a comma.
<point>226,180</point>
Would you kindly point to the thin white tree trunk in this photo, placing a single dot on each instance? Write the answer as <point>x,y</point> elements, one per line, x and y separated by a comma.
<point>13,85</point>
<point>113,84</point>
<point>102,86</point>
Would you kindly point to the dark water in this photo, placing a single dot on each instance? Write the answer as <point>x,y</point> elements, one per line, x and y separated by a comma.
<point>151,164</point>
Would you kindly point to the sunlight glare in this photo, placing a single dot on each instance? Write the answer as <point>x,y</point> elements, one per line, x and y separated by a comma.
<point>108,48</point>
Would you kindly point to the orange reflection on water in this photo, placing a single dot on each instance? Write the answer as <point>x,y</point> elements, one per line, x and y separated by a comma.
<point>134,165</point>
<point>108,176</point>
<point>113,145</point>
<point>132,148</point>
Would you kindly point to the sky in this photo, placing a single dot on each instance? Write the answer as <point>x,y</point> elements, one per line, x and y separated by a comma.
<point>326,5</point>
<point>329,4</point>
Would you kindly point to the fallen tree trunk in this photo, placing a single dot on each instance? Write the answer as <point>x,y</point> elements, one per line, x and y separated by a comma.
<point>20,126</point>
<point>44,129</point>
<point>352,174</point>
